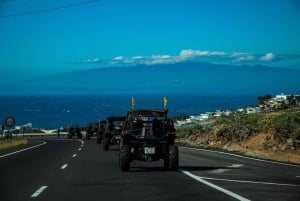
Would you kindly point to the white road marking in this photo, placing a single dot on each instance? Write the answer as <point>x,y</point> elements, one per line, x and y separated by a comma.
<point>240,156</point>
<point>82,145</point>
<point>74,155</point>
<point>222,170</point>
<point>39,191</point>
<point>227,192</point>
<point>235,166</point>
<point>64,166</point>
<point>81,141</point>
<point>2,156</point>
<point>251,182</point>
<point>298,176</point>
<point>79,149</point>
<point>218,171</point>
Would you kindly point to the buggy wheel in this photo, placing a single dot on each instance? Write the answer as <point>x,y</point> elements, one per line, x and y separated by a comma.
<point>98,140</point>
<point>172,159</point>
<point>106,144</point>
<point>166,163</point>
<point>88,136</point>
<point>124,158</point>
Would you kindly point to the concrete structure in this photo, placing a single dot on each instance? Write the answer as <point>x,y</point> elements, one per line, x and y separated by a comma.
<point>281,96</point>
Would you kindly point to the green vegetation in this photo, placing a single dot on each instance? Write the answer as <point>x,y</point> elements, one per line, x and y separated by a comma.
<point>239,126</point>
<point>264,99</point>
<point>193,129</point>
<point>12,143</point>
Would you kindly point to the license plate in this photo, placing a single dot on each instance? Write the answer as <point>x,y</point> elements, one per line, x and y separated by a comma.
<point>149,150</point>
<point>118,137</point>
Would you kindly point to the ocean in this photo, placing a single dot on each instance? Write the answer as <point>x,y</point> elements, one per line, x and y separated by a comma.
<point>55,111</point>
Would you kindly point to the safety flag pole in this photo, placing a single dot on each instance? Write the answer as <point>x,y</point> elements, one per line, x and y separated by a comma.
<point>165,102</point>
<point>132,102</point>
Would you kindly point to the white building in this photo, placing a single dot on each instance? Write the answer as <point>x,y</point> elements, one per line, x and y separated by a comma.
<point>281,96</point>
<point>253,110</point>
<point>206,116</point>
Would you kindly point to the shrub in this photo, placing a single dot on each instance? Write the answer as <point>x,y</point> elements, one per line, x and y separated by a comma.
<point>189,130</point>
<point>297,134</point>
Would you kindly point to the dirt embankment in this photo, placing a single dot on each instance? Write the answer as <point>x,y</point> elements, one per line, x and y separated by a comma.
<point>261,145</point>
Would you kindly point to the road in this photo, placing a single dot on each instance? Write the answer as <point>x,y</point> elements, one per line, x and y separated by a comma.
<point>73,170</point>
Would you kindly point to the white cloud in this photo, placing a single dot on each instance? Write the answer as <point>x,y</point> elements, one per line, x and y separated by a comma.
<point>245,58</point>
<point>268,57</point>
<point>160,56</point>
<point>242,57</point>
<point>194,53</point>
<point>160,59</point>
<point>137,57</point>
<point>190,55</point>
<point>118,58</point>
<point>91,60</point>
<point>238,54</point>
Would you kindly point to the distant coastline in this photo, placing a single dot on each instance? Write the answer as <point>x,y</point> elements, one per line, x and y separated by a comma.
<point>54,111</point>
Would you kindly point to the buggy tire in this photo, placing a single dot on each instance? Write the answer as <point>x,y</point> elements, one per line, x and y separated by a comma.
<point>99,140</point>
<point>172,160</point>
<point>124,158</point>
<point>106,144</point>
<point>87,136</point>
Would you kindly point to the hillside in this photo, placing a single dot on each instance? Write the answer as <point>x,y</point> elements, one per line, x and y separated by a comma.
<point>186,77</point>
<point>274,136</point>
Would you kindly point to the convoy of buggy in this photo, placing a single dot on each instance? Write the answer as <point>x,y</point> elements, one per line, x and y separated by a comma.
<point>143,135</point>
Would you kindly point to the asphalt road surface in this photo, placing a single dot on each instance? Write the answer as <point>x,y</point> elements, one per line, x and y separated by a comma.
<point>72,170</point>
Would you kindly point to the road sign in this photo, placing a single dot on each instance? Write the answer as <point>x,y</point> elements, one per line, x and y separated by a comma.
<point>9,121</point>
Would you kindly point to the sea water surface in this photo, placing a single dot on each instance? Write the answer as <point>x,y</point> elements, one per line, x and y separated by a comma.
<point>55,111</point>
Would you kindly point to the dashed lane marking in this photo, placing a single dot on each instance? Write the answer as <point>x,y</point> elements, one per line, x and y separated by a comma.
<point>2,156</point>
<point>39,191</point>
<point>79,149</point>
<point>74,155</point>
<point>64,166</point>
<point>223,190</point>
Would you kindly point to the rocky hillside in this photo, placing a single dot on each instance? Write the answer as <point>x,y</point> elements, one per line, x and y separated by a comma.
<point>273,136</point>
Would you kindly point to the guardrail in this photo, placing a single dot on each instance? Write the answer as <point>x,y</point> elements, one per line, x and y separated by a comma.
<point>2,136</point>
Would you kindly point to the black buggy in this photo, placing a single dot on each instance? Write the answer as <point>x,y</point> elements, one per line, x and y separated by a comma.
<point>113,130</point>
<point>74,130</point>
<point>94,129</point>
<point>149,136</point>
<point>100,132</point>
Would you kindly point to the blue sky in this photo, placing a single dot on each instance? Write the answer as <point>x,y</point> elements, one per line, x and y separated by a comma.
<point>128,32</point>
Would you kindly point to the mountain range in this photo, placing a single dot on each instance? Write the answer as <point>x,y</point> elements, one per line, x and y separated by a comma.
<point>181,78</point>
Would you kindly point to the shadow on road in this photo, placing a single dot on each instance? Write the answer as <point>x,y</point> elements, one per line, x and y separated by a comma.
<point>187,168</point>
<point>202,168</point>
<point>147,169</point>
<point>115,149</point>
